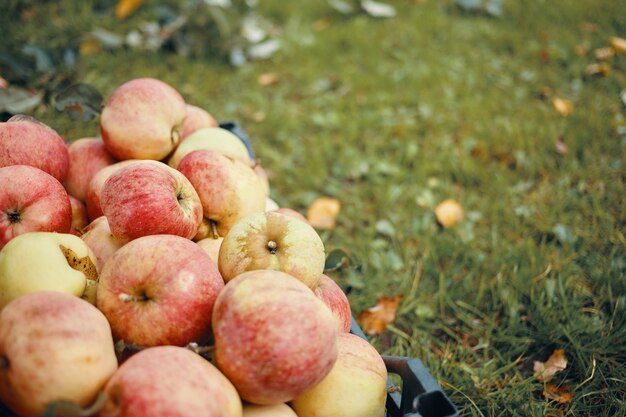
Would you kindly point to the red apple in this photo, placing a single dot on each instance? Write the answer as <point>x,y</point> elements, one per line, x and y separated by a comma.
<point>79,216</point>
<point>212,139</point>
<point>97,235</point>
<point>150,198</point>
<point>31,200</point>
<point>26,141</point>
<point>87,156</point>
<point>333,296</point>
<point>196,118</point>
<point>228,188</point>
<point>274,339</point>
<point>212,247</point>
<point>169,381</point>
<point>94,190</point>
<point>276,410</point>
<point>355,387</point>
<point>142,119</point>
<point>159,290</point>
<point>53,347</point>
<point>270,240</point>
<point>292,213</point>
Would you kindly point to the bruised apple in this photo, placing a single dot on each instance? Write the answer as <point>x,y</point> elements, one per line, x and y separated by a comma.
<point>169,381</point>
<point>274,339</point>
<point>53,347</point>
<point>270,240</point>
<point>355,387</point>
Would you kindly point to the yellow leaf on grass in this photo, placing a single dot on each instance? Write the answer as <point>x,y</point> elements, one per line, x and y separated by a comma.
<point>268,78</point>
<point>563,106</point>
<point>125,8</point>
<point>374,320</point>
<point>618,45</point>
<point>601,69</point>
<point>557,393</point>
<point>604,53</point>
<point>323,212</point>
<point>449,212</point>
<point>544,371</point>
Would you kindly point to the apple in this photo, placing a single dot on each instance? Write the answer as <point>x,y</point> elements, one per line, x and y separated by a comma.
<point>228,188</point>
<point>159,290</point>
<point>94,190</point>
<point>79,215</point>
<point>277,410</point>
<point>142,119</point>
<point>270,240</point>
<point>87,156</point>
<point>53,347</point>
<point>97,235</point>
<point>196,118</point>
<point>47,261</point>
<point>263,176</point>
<point>333,296</point>
<point>212,139</point>
<point>271,205</point>
<point>293,213</point>
<point>355,387</point>
<point>212,247</point>
<point>274,339</point>
<point>31,200</point>
<point>169,381</point>
<point>27,141</point>
<point>149,198</point>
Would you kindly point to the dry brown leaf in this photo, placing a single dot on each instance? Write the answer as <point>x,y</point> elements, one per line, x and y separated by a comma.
<point>448,213</point>
<point>602,69</point>
<point>374,320</point>
<point>604,53</point>
<point>322,213</point>
<point>563,106</point>
<point>268,78</point>
<point>544,371</point>
<point>125,8</point>
<point>618,45</point>
<point>89,46</point>
<point>561,394</point>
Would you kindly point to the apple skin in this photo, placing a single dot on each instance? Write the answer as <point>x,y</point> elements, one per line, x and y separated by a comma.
<point>35,261</point>
<point>159,290</point>
<point>273,338</point>
<point>97,235</point>
<point>212,247</point>
<point>277,410</point>
<point>293,213</point>
<point>228,188</point>
<point>26,141</point>
<point>142,119</point>
<point>31,200</point>
<point>79,216</point>
<point>355,387</point>
<point>333,296</point>
<point>169,381</point>
<point>270,240</point>
<point>150,198</point>
<point>271,205</point>
<point>94,190</point>
<point>87,156</point>
<point>58,347</point>
<point>196,118</point>
<point>212,139</point>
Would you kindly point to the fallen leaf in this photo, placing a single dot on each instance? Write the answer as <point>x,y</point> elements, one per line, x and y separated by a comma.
<point>375,320</point>
<point>563,106</point>
<point>268,78</point>
<point>322,213</point>
<point>377,9</point>
<point>618,45</point>
<point>125,8</point>
<point>341,6</point>
<point>80,100</point>
<point>544,371</point>
<point>336,260</point>
<point>601,69</point>
<point>264,50</point>
<point>89,46</point>
<point>560,394</point>
<point>604,53</point>
<point>560,147</point>
<point>17,100</point>
<point>448,213</point>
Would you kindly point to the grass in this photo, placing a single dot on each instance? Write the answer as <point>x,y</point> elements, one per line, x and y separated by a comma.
<point>393,116</point>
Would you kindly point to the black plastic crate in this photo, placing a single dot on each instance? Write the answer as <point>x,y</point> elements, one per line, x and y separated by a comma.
<point>420,395</point>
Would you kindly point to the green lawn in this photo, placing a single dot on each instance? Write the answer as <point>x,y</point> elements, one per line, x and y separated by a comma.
<point>392,116</point>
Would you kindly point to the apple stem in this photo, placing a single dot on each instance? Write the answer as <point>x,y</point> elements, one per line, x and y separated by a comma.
<point>213,224</point>
<point>271,245</point>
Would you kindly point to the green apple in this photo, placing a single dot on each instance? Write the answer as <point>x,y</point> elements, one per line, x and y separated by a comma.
<point>47,261</point>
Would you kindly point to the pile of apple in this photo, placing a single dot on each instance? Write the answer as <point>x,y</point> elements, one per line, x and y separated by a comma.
<point>161,236</point>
